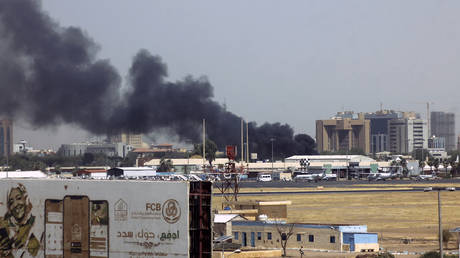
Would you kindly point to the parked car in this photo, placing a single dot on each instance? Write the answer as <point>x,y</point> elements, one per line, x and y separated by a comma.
<point>264,178</point>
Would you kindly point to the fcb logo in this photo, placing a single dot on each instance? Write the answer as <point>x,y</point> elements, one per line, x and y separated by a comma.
<point>171,211</point>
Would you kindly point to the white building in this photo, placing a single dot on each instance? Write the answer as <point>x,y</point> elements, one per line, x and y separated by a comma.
<point>109,149</point>
<point>407,134</point>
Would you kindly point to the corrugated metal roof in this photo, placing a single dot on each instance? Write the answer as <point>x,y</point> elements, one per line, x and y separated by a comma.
<point>224,218</point>
<point>22,174</point>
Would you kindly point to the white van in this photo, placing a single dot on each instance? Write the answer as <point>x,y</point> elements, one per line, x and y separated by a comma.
<point>264,178</point>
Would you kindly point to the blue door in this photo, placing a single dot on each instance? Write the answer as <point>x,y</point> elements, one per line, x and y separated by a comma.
<point>244,240</point>
<point>253,239</point>
<point>352,244</point>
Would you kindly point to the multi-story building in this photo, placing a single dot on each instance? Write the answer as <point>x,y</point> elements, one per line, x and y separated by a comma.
<point>443,125</point>
<point>132,139</point>
<point>6,137</point>
<point>458,143</point>
<point>437,142</point>
<point>343,134</point>
<point>109,149</point>
<point>379,129</point>
<point>407,134</point>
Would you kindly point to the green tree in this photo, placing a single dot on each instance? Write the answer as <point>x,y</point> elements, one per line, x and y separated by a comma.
<point>421,154</point>
<point>87,159</point>
<point>446,236</point>
<point>165,165</point>
<point>129,160</point>
<point>211,149</point>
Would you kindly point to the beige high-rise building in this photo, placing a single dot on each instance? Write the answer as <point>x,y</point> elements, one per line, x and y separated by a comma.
<point>6,137</point>
<point>343,134</point>
<point>134,140</point>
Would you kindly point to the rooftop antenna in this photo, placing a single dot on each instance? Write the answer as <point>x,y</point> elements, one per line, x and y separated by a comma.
<point>381,107</point>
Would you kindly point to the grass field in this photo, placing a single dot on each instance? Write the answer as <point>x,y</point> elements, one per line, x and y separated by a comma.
<point>393,215</point>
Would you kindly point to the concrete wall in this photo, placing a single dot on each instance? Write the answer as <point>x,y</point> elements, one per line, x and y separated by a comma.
<point>267,253</point>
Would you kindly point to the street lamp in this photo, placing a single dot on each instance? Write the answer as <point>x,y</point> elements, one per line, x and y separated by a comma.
<point>439,189</point>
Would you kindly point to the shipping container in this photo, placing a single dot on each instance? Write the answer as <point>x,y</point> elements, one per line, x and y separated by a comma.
<point>104,218</point>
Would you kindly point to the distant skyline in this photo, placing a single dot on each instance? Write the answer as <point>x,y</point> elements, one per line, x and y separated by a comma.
<point>290,62</point>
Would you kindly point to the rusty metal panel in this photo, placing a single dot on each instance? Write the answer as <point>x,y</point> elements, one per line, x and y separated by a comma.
<point>76,227</point>
<point>53,229</point>
<point>200,219</point>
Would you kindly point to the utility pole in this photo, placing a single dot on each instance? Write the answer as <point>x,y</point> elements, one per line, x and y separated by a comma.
<point>439,189</point>
<point>242,141</point>
<point>204,144</point>
<point>439,224</point>
<point>247,142</point>
<point>272,140</point>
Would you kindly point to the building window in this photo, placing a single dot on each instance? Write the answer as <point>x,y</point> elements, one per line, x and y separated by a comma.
<point>269,236</point>
<point>311,238</point>
<point>259,235</point>
<point>332,239</point>
<point>235,235</point>
<point>299,237</point>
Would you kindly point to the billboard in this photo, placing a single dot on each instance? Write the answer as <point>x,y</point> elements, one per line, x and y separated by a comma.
<point>97,218</point>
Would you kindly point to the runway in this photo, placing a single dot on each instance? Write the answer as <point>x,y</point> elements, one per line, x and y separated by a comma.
<point>347,186</point>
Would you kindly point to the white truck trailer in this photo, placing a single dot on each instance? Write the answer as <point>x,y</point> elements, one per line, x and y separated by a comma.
<point>104,218</point>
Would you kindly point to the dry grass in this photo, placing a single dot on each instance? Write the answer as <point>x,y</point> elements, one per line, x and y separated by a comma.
<point>393,215</point>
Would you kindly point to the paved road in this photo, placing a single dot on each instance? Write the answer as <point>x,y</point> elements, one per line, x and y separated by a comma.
<point>310,187</point>
<point>344,184</point>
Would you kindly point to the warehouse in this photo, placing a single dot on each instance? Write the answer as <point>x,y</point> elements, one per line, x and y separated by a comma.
<point>269,234</point>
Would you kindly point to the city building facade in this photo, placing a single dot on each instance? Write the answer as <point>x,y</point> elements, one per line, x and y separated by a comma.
<point>443,125</point>
<point>109,149</point>
<point>343,134</point>
<point>407,134</point>
<point>458,143</point>
<point>379,129</point>
<point>437,142</point>
<point>6,137</point>
<point>269,234</point>
<point>132,139</point>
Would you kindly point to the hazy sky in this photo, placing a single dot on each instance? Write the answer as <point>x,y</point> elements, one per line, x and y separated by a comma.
<point>283,61</point>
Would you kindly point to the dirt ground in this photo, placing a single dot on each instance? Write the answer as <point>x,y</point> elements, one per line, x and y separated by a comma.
<point>307,254</point>
<point>405,221</point>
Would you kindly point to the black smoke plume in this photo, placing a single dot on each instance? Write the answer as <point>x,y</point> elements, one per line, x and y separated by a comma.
<point>49,75</point>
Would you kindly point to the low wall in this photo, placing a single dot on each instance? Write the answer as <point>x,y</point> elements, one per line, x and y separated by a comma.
<point>248,254</point>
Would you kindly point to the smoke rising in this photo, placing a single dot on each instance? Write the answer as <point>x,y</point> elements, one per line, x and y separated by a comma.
<point>49,75</point>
